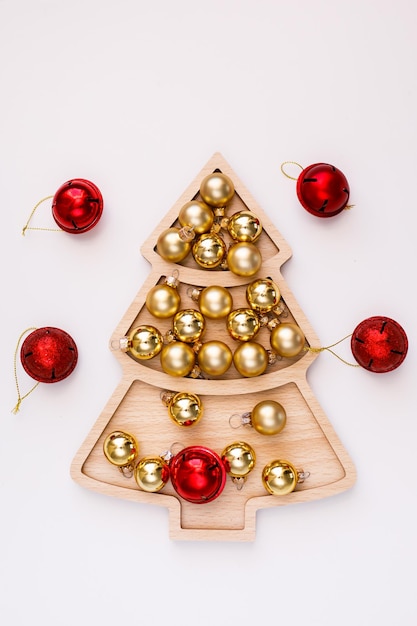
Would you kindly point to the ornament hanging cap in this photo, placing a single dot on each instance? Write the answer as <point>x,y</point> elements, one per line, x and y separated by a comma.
<point>77,206</point>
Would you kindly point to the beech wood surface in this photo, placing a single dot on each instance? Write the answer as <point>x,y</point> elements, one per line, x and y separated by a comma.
<point>308,440</point>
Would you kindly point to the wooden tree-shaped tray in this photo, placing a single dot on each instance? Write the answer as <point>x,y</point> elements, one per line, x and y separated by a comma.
<point>308,440</point>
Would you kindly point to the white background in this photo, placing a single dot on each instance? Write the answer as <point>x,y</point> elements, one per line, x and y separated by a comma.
<point>137,96</point>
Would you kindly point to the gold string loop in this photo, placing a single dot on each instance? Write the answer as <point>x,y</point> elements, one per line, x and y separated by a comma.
<point>290,163</point>
<point>329,349</point>
<point>27,227</point>
<point>20,398</point>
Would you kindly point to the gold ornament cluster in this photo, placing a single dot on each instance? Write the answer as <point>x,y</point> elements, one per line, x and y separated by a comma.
<point>202,224</point>
<point>183,352</point>
<point>151,473</point>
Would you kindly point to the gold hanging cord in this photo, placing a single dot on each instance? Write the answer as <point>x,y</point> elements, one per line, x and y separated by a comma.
<point>27,227</point>
<point>19,397</point>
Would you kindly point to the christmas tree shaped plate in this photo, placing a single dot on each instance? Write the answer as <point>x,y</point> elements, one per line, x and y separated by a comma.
<point>317,461</point>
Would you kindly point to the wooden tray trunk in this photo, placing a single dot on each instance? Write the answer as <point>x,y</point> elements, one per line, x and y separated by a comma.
<point>308,440</point>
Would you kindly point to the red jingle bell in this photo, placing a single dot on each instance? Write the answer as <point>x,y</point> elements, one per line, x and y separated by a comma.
<point>379,344</point>
<point>198,474</point>
<point>323,190</point>
<point>77,206</point>
<point>48,355</point>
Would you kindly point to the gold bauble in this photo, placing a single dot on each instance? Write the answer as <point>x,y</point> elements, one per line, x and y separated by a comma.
<point>163,301</point>
<point>215,302</point>
<point>185,409</point>
<point>198,215</point>
<point>188,325</point>
<point>268,417</point>
<point>244,226</point>
<point>279,477</point>
<point>209,250</point>
<point>217,189</point>
<point>144,342</point>
<point>287,340</point>
<point>263,295</point>
<point>171,247</point>
<point>244,259</point>
<point>214,358</point>
<point>120,448</point>
<point>243,324</point>
<point>239,459</point>
<point>151,473</point>
<point>250,359</point>
<point>177,358</point>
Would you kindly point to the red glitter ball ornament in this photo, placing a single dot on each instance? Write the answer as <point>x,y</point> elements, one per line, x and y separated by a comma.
<point>323,190</point>
<point>48,354</point>
<point>379,344</point>
<point>77,206</point>
<point>198,474</point>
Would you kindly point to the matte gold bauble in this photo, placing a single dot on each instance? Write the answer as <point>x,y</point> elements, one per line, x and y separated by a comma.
<point>217,189</point>
<point>171,247</point>
<point>263,295</point>
<point>151,473</point>
<point>250,359</point>
<point>279,478</point>
<point>163,301</point>
<point>198,215</point>
<point>239,459</point>
<point>215,302</point>
<point>209,250</point>
<point>268,417</point>
<point>185,409</point>
<point>120,448</point>
<point>243,324</point>
<point>188,325</point>
<point>244,226</point>
<point>144,342</point>
<point>177,358</point>
<point>214,358</point>
<point>244,259</point>
<point>287,340</point>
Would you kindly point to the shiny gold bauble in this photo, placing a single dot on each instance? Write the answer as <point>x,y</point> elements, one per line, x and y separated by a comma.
<point>243,324</point>
<point>171,247</point>
<point>244,226</point>
<point>198,215</point>
<point>268,417</point>
<point>120,448</point>
<point>287,340</point>
<point>263,295</point>
<point>185,409</point>
<point>188,325</point>
<point>214,358</point>
<point>279,477</point>
<point>250,359</point>
<point>239,459</point>
<point>209,250</point>
<point>163,301</point>
<point>215,302</point>
<point>217,189</point>
<point>144,342</point>
<point>177,358</point>
<point>151,473</point>
<point>244,259</point>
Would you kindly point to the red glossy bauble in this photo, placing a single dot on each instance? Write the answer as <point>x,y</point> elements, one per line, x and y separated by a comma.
<point>77,206</point>
<point>379,344</point>
<point>48,354</point>
<point>198,474</point>
<point>322,190</point>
